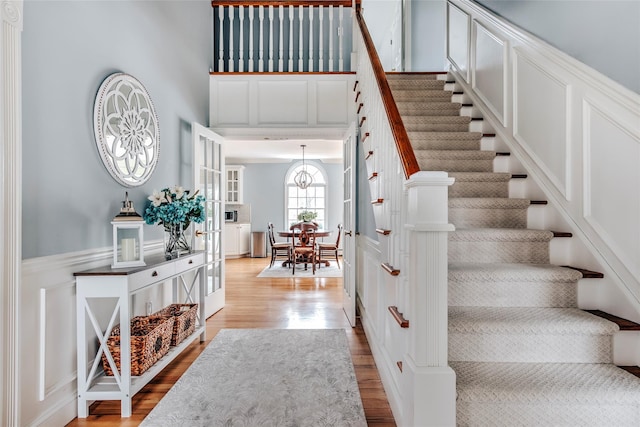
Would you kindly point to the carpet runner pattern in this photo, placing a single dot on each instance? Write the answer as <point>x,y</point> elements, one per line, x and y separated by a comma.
<point>523,353</point>
<point>266,377</point>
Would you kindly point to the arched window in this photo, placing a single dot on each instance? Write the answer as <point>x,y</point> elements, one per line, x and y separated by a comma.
<point>313,198</point>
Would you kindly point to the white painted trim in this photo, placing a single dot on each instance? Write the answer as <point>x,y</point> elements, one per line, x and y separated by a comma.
<point>45,391</point>
<point>11,208</point>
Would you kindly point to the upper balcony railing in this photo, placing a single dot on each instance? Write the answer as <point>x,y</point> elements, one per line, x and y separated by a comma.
<point>282,36</point>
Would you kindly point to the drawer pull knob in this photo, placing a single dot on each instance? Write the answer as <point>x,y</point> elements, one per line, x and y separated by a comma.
<point>190,261</point>
<point>154,274</point>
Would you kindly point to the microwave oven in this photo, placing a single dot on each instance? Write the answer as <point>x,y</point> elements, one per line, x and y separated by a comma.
<point>231,216</point>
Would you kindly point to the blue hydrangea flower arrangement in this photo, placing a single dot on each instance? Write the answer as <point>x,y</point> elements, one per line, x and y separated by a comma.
<point>173,206</point>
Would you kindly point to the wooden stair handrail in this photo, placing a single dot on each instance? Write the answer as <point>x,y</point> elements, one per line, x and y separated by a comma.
<point>403,145</point>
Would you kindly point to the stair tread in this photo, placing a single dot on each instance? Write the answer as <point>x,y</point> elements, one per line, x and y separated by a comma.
<point>455,154</point>
<point>516,272</point>
<point>411,119</point>
<point>527,321</point>
<point>488,203</point>
<point>557,383</point>
<point>501,235</point>
<point>417,134</point>
<point>480,176</point>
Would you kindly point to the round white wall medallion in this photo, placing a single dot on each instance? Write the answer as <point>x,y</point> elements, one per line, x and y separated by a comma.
<point>125,125</point>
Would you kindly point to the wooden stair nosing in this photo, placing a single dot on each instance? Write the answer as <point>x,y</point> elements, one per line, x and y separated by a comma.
<point>404,323</point>
<point>538,202</point>
<point>635,370</point>
<point>518,175</point>
<point>624,324</point>
<point>586,274</point>
<point>562,233</point>
<point>390,269</point>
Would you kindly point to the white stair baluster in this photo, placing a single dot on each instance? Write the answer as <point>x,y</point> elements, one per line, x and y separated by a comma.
<point>231,52</point>
<point>250,39</point>
<point>311,39</point>
<point>281,45</point>
<point>241,41</point>
<point>320,37</point>
<point>221,39</point>
<point>300,53</point>
<point>331,38</point>
<point>261,53</point>
<point>270,38</point>
<point>340,38</point>
<point>290,68</point>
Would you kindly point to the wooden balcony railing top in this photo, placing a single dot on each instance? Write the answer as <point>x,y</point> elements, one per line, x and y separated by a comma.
<point>313,3</point>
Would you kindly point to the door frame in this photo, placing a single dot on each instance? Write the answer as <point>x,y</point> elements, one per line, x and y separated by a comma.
<point>215,300</point>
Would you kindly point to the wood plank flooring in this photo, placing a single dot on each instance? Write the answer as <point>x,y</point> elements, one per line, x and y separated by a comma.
<point>293,303</point>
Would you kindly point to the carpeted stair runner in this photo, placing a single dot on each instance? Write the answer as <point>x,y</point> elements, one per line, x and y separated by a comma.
<point>523,353</point>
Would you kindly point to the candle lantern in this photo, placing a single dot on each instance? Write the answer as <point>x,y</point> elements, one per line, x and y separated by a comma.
<point>128,244</point>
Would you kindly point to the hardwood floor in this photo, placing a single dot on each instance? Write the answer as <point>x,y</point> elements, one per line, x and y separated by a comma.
<point>289,303</point>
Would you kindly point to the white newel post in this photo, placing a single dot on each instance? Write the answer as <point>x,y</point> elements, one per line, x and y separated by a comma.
<point>11,211</point>
<point>429,382</point>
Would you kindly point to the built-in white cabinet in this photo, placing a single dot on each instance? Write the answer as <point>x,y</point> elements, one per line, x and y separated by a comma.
<point>237,240</point>
<point>234,184</point>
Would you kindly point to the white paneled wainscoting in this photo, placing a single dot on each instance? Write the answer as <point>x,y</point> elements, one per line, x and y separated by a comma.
<point>48,331</point>
<point>575,132</point>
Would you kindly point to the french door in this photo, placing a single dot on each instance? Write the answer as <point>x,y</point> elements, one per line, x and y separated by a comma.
<point>349,240</point>
<point>208,168</point>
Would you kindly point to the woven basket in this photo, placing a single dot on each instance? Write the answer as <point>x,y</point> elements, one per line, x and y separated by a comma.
<point>184,320</point>
<point>150,340</point>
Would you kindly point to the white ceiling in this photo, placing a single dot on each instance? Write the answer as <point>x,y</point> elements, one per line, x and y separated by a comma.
<point>282,150</point>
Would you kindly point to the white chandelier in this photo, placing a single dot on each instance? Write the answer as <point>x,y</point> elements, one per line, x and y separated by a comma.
<point>303,179</point>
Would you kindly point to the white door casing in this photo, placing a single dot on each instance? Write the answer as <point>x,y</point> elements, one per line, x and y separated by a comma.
<point>209,178</point>
<point>349,241</point>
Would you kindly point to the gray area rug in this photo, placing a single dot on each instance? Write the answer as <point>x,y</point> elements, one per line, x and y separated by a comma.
<point>278,271</point>
<point>266,377</point>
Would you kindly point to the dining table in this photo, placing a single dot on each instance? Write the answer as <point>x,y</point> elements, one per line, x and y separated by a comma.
<point>291,234</point>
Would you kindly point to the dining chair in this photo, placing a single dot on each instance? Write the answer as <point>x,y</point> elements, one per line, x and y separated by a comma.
<point>304,249</point>
<point>278,249</point>
<point>330,248</point>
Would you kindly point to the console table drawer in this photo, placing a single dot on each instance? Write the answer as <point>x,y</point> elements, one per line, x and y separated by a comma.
<point>187,263</point>
<point>152,275</point>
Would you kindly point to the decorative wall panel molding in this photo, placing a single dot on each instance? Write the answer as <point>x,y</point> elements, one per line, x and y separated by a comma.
<point>541,118</point>
<point>231,103</point>
<point>576,133</point>
<point>330,112</point>
<point>56,360</point>
<point>459,24</point>
<point>613,214</point>
<point>489,70</point>
<point>296,101</point>
<point>283,103</point>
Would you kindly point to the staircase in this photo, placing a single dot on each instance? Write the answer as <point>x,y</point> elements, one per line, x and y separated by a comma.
<point>523,352</point>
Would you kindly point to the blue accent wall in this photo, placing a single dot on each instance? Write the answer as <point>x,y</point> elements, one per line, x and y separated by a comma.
<point>69,48</point>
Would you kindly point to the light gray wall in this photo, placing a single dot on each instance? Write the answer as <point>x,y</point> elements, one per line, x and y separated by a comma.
<point>69,48</point>
<point>428,35</point>
<point>264,191</point>
<point>603,34</point>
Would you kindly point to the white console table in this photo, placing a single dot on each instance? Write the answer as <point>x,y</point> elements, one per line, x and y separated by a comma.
<point>104,286</point>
